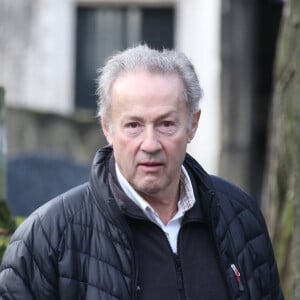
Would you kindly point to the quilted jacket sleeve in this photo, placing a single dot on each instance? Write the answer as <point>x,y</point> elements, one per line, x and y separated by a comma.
<point>28,265</point>
<point>264,254</point>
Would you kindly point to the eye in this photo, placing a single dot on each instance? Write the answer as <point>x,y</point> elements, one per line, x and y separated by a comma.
<point>132,128</point>
<point>167,123</point>
<point>132,125</point>
<point>167,127</point>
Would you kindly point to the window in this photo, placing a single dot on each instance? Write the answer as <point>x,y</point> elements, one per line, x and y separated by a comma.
<point>103,30</point>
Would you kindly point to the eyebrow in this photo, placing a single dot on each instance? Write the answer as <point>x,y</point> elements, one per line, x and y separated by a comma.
<point>140,118</point>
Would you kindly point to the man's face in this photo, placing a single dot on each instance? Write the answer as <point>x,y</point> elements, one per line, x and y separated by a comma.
<point>149,131</point>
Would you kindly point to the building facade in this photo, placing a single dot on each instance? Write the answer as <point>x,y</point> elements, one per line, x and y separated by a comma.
<point>51,50</point>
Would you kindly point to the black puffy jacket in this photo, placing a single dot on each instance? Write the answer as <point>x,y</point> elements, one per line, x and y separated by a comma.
<point>78,245</point>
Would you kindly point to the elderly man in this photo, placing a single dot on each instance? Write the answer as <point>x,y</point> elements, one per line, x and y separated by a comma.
<point>150,223</point>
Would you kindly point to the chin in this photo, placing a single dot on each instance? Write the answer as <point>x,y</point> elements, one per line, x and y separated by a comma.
<point>149,189</point>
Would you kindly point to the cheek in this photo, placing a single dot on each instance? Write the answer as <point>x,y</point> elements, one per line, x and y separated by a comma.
<point>176,149</point>
<point>125,159</point>
<point>125,150</point>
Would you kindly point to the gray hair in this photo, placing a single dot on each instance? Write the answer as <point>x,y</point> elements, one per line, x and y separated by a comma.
<point>143,58</point>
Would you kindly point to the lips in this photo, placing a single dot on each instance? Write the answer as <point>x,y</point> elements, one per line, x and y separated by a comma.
<point>150,165</point>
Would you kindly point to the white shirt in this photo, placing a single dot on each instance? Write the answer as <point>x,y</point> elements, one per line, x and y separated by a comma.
<point>186,202</point>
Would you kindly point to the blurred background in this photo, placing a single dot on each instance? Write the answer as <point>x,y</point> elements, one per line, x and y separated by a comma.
<point>242,50</point>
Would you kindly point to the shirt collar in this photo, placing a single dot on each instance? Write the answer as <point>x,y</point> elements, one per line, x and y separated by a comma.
<point>186,198</point>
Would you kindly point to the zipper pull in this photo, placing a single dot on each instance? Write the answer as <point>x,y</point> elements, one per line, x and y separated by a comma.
<point>237,276</point>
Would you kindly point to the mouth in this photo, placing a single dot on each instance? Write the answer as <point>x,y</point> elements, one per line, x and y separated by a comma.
<point>150,166</point>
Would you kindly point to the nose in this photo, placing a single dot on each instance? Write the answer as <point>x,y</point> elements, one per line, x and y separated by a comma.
<point>150,142</point>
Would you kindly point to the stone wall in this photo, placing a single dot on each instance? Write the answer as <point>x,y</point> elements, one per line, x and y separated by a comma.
<point>75,138</point>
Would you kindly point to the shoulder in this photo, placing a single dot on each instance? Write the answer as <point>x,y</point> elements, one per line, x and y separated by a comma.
<point>48,222</point>
<point>240,213</point>
<point>35,242</point>
<point>233,198</point>
<point>229,191</point>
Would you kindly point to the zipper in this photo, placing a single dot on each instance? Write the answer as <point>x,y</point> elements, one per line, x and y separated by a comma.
<point>177,261</point>
<point>179,276</point>
<point>237,277</point>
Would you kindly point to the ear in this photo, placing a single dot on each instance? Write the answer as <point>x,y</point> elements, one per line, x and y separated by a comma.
<point>194,125</point>
<point>107,130</point>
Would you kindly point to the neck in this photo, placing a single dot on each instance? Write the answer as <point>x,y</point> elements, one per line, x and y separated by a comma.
<point>166,207</point>
<point>167,215</point>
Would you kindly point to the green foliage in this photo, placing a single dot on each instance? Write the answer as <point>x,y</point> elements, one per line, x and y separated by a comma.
<point>4,240</point>
<point>7,226</point>
<point>7,223</point>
